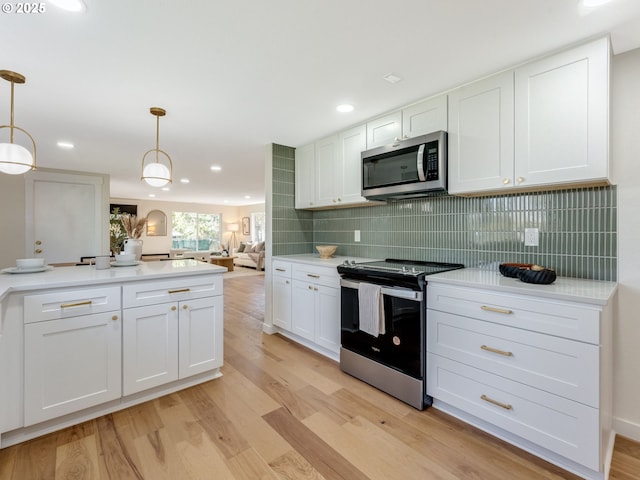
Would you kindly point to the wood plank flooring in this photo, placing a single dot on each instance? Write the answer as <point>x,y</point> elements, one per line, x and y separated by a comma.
<point>279,412</point>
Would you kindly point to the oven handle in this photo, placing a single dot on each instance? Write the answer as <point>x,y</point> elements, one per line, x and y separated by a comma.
<point>390,291</point>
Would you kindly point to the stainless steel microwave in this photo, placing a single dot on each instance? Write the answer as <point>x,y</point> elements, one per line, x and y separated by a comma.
<point>415,167</point>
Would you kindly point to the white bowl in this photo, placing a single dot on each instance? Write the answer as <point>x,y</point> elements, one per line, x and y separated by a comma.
<point>126,258</point>
<point>27,263</point>
<point>326,251</point>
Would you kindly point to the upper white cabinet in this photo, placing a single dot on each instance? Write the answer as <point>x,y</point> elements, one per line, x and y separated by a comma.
<point>425,117</point>
<point>481,135</point>
<point>328,172</point>
<point>384,130</point>
<point>545,123</point>
<point>562,117</point>
<point>305,176</point>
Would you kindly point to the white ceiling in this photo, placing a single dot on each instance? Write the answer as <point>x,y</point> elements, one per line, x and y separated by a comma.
<point>236,76</point>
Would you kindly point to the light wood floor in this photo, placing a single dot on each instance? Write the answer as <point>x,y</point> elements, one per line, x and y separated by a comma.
<point>279,412</point>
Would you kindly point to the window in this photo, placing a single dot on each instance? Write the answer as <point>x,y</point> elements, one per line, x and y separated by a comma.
<point>195,231</point>
<point>257,227</point>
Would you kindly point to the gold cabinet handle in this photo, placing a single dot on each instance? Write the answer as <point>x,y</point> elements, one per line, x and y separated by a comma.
<point>185,307</point>
<point>506,406</point>
<point>310,287</point>
<point>313,276</point>
<point>520,179</point>
<point>496,310</point>
<point>506,181</point>
<point>114,318</point>
<point>174,308</point>
<point>79,304</point>
<point>38,250</point>
<point>495,350</point>
<point>182,290</point>
<point>38,242</point>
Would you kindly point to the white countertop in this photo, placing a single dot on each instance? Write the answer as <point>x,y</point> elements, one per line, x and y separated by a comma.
<point>314,259</point>
<point>88,275</point>
<point>564,288</point>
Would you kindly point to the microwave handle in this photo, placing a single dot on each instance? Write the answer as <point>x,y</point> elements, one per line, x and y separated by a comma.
<point>420,163</point>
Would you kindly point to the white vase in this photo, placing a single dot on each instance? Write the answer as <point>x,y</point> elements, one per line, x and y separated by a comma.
<point>133,245</point>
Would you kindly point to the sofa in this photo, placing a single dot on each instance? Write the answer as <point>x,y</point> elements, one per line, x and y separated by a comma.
<point>249,255</point>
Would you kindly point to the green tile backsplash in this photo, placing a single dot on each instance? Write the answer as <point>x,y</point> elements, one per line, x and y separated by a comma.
<point>577,227</point>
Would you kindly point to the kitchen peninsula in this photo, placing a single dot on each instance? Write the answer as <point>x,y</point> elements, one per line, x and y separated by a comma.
<point>77,343</point>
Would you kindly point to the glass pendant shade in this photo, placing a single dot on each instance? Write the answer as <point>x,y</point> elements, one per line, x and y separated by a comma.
<point>156,174</point>
<point>15,159</point>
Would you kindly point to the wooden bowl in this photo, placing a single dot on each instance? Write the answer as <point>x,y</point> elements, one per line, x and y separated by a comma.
<point>512,269</point>
<point>326,251</point>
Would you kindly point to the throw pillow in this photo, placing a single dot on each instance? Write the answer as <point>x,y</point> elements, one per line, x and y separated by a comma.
<point>250,248</point>
<point>259,246</point>
<point>241,247</point>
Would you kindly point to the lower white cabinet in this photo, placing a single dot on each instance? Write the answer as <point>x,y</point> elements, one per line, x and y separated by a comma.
<point>529,368</point>
<point>281,294</point>
<point>313,305</point>
<point>71,364</point>
<point>172,340</point>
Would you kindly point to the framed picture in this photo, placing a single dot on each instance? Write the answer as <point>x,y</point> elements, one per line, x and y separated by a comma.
<point>246,226</point>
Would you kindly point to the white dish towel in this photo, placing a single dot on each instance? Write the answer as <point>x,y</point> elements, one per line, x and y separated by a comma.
<point>370,303</point>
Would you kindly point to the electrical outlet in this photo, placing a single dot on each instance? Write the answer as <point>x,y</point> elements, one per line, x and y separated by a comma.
<point>531,237</point>
<point>356,235</point>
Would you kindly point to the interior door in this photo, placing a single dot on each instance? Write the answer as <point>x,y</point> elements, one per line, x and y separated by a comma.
<point>66,216</point>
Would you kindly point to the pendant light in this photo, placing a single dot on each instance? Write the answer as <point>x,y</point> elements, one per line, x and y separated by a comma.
<point>14,158</point>
<point>156,173</point>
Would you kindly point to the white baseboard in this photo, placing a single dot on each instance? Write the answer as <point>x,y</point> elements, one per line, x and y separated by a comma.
<point>626,428</point>
<point>269,329</point>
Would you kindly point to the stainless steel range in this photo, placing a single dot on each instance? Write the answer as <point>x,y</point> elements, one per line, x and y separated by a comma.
<point>383,325</point>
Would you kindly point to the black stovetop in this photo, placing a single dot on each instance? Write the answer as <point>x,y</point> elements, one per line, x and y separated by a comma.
<point>395,272</point>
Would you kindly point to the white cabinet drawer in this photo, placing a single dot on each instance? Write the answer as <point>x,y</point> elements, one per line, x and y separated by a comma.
<point>557,318</point>
<point>327,276</point>
<point>281,269</point>
<point>176,289</point>
<point>565,427</point>
<point>70,303</point>
<point>555,365</point>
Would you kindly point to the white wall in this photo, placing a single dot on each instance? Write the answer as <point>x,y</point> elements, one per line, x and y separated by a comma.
<point>163,244</point>
<point>625,140</point>
<point>12,220</point>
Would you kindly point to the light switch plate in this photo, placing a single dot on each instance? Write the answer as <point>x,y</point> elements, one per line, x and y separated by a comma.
<point>531,237</point>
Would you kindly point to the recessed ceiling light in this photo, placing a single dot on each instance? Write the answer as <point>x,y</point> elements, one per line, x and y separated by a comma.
<point>344,108</point>
<point>184,180</point>
<point>152,195</point>
<point>166,189</point>
<point>247,197</point>
<point>392,78</point>
<point>65,145</point>
<point>215,168</point>
<point>69,5</point>
<point>225,201</point>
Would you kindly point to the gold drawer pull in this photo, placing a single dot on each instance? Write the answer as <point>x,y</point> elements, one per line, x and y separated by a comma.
<point>496,310</point>
<point>506,406</point>
<point>495,350</point>
<point>182,290</point>
<point>313,276</point>
<point>79,304</point>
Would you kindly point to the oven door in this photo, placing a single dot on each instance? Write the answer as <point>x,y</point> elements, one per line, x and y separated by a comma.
<point>402,347</point>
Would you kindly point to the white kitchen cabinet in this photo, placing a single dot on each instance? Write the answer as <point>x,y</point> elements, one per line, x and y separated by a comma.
<point>326,171</point>
<point>170,340</point>
<point>336,177</point>
<point>315,307</point>
<point>562,117</point>
<point>533,370</point>
<point>305,175</point>
<point>71,364</point>
<point>384,130</point>
<point>481,135</point>
<point>542,124</point>
<point>281,294</point>
<point>425,117</point>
